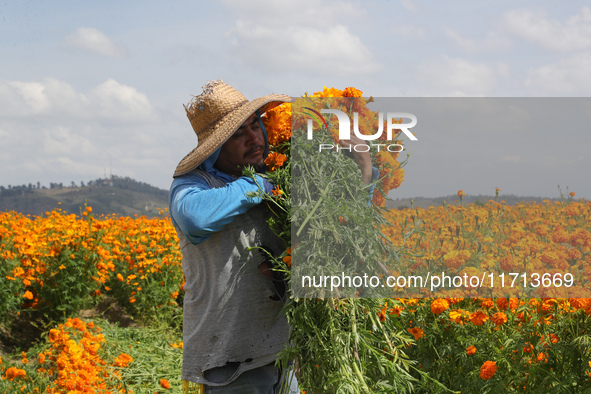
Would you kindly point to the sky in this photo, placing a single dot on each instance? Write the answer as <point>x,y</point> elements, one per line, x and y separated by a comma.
<point>89,89</point>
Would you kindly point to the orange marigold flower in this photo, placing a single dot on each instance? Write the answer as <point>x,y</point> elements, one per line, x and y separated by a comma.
<point>287,259</point>
<point>572,194</point>
<point>439,305</point>
<point>461,193</point>
<point>416,332</point>
<point>382,313</point>
<point>471,350</point>
<point>396,310</point>
<point>53,335</point>
<point>499,318</point>
<point>13,373</point>
<point>276,192</point>
<point>488,370</point>
<point>487,303</point>
<point>164,384</point>
<point>123,360</point>
<point>478,318</point>
<point>120,277</point>
<point>28,295</point>
<point>352,92</point>
<point>275,160</point>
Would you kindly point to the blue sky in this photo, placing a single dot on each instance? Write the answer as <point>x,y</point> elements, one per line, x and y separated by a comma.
<point>92,87</point>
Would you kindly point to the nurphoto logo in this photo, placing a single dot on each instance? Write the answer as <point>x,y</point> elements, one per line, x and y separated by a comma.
<point>344,123</point>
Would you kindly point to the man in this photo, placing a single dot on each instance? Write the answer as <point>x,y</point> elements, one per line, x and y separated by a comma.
<point>233,327</point>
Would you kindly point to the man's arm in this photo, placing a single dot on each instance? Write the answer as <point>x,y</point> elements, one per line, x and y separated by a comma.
<point>200,211</point>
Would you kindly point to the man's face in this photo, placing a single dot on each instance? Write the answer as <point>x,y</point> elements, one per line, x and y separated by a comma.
<point>245,147</point>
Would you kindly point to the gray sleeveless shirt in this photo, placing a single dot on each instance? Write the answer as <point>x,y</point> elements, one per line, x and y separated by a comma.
<point>230,314</point>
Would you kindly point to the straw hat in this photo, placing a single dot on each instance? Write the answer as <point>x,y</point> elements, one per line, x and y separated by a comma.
<point>215,115</point>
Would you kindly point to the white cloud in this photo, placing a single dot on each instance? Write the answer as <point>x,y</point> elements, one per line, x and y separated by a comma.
<point>62,140</point>
<point>572,34</point>
<point>285,12</point>
<point>110,100</point>
<point>459,77</point>
<point>410,5</point>
<point>118,101</point>
<point>569,76</point>
<point>93,40</point>
<point>494,41</point>
<point>32,94</point>
<point>311,36</point>
<point>320,51</point>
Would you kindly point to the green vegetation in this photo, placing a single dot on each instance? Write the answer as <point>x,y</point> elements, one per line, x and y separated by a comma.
<point>122,196</point>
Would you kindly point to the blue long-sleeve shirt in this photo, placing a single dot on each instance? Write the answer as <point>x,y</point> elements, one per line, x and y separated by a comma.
<point>199,211</point>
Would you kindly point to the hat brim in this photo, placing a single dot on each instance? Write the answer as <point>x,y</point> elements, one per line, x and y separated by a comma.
<point>224,128</point>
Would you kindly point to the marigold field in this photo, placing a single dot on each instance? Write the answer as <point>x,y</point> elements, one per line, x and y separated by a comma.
<point>54,266</point>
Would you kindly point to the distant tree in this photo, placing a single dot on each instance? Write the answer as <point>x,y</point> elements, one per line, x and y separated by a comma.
<point>38,185</point>
<point>81,183</point>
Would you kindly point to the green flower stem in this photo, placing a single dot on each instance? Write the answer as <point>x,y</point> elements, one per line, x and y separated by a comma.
<point>311,213</point>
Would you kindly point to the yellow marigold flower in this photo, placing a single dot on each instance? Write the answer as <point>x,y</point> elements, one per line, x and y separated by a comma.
<point>177,345</point>
<point>488,370</point>
<point>471,350</point>
<point>329,92</point>
<point>456,315</point>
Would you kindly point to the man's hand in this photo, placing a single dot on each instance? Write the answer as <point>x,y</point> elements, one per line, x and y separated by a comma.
<point>363,159</point>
